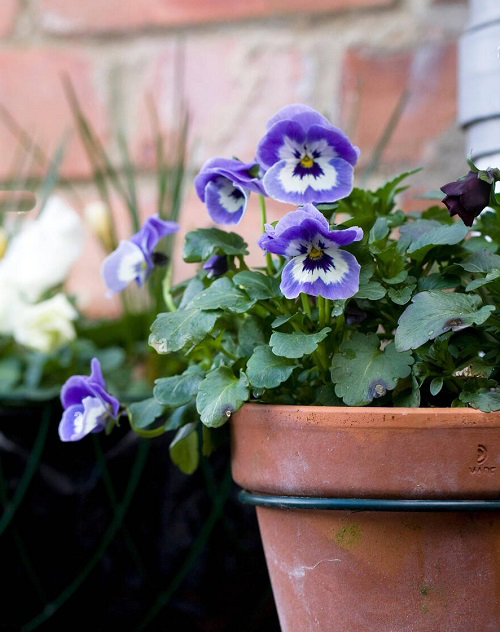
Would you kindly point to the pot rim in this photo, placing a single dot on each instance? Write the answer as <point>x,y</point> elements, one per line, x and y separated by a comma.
<point>378,417</point>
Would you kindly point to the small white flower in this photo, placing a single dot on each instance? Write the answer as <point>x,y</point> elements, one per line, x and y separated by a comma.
<point>45,326</point>
<point>98,217</point>
<point>40,256</point>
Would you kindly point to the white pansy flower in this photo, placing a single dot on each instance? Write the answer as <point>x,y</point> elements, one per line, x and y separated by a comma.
<point>40,256</point>
<point>47,325</point>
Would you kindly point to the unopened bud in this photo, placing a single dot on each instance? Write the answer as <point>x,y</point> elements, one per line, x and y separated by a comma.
<point>98,217</point>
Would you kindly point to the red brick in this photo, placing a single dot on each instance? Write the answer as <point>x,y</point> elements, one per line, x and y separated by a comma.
<point>8,13</point>
<point>31,90</point>
<point>373,85</point>
<point>61,16</point>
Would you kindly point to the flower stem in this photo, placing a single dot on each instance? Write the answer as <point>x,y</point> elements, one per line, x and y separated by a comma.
<point>306,304</point>
<point>263,216</point>
<point>166,290</point>
<point>328,310</point>
<point>322,311</point>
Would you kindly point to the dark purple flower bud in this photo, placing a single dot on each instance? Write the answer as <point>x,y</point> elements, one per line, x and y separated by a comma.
<point>216,266</point>
<point>87,405</point>
<point>467,197</point>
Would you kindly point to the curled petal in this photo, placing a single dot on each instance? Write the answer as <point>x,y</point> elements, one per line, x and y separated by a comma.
<point>125,264</point>
<point>303,114</point>
<point>81,419</point>
<point>225,201</point>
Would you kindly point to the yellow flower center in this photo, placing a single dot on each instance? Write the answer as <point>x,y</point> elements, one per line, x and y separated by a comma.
<point>315,253</point>
<point>307,162</point>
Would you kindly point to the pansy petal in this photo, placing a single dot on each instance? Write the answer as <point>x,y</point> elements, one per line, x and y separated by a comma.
<point>346,236</point>
<point>299,112</point>
<point>125,264</point>
<point>331,181</point>
<point>151,232</point>
<point>308,211</point>
<point>225,202</point>
<point>335,275</point>
<point>80,420</point>
<point>284,140</point>
<point>335,140</point>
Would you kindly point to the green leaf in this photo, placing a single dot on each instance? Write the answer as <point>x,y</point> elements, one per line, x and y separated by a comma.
<point>379,230</point>
<point>440,235</point>
<point>436,385</point>
<point>409,397</point>
<point>372,290</point>
<point>202,243</point>
<point>173,331</point>
<point>296,344</point>
<point>257,285</point>
<point>178,390</point>
<point>222,294</point>
<point>493,275</point>
<point>143,414</point>
<point>194,287</point>
<point>432,313</point>
<point>401,296</point>
<point>437,281</point>
<point>10,373</point>
<point>487,400</point>
<point>362,372</point>
<point>250,335</point>
<point>184,450</point>
<point>220,395</point>
<point>266,370</point>
<point>481,261</point>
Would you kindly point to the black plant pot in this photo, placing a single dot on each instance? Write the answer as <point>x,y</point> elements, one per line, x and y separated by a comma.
<point>107,532</point>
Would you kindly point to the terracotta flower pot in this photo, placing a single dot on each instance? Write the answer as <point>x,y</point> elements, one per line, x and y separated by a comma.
<point>417,550</point>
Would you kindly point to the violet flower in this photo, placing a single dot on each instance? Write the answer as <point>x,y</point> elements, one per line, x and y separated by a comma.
<point>305,157</point>
<point>133,260</point>
<point>223,185</point>
<point>467,197</point>
<point>317,266</point>
<point>87,405</point>
<point>216,266</point>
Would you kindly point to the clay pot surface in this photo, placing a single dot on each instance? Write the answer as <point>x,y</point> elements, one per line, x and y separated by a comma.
<point>367,452</point>
<point>376,571</point>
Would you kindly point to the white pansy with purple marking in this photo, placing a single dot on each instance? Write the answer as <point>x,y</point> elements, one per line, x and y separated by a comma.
<point>133,259</point>
<point>306,159</point>
<point>317,265</point>
<point>223,185</point>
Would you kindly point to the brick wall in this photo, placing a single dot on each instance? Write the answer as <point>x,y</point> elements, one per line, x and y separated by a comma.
<point>236,62</point>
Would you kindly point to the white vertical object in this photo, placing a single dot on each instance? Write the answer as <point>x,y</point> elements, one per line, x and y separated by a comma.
<point>479,82</point>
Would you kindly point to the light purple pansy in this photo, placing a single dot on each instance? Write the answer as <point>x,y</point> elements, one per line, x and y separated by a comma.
<point>223,185</point>
<point>306,159</point>
<point>317,266</point>
<point>87,405</point>
<point>133,259</point>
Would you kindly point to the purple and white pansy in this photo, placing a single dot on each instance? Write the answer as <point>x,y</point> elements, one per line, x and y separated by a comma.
<point>88,407</point>
<point>316,264</point>
<point>223,184</point>
<point>305,158</point>
<point>133,260</point>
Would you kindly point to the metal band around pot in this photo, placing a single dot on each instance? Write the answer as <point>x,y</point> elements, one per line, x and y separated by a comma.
<point>366,504</point>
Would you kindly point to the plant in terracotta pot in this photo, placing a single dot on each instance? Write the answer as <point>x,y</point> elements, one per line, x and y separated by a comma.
<point>358,367</point>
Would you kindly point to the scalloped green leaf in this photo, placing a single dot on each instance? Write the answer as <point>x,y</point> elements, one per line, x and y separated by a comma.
<point>257,285</point>
<point>222,294</point>
<point>173,331</point>
<point>266,370</point>
<point>179,390</point>
<point>296,344</point>
<point>433,313</point>
<point>202,243</point>
<point>361,371</point>
<point>221,394</point>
